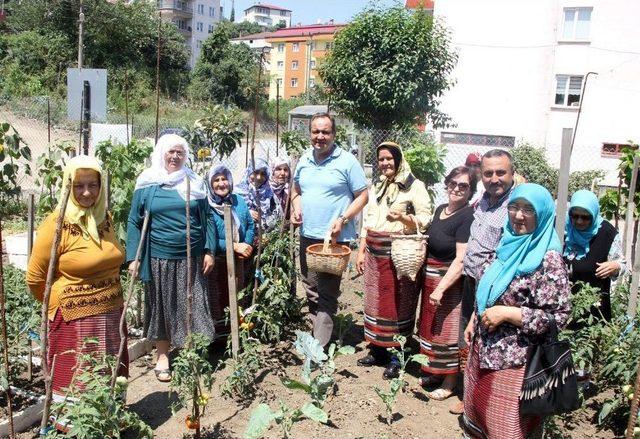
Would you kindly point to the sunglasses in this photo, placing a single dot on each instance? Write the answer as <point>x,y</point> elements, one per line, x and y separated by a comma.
<point>526,211</point>
<point>577,217</point>
<point>461,186</point>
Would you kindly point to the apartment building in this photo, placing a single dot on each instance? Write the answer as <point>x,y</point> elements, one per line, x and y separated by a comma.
<point>195,20</point>
<point>267,15</point>
<point>295,55</point>
<point>525,68</point>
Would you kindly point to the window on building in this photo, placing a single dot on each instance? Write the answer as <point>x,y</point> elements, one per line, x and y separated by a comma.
<point>313,63</point>
<point>281,48</point>
<point>312,45</point>
<point>294,82</point>
<point>199,26</point>
<point>294,65</point>
<point>577,22</point>
<point>295,47</point>
<point>201,9</point>
<point>281,64</point>
<point>210,29</point>
<point>212,11</point>
<point>477,139</point>
<point>283,13</point>
<point>614,150</point>
<point>568,90</point>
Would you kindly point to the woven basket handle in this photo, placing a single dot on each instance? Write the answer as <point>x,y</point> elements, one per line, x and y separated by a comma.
<point>327,241</point>
<point>415,221</point>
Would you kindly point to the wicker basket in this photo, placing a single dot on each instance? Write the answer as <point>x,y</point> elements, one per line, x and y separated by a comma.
<point>408,253</point>
<point>328,258</point>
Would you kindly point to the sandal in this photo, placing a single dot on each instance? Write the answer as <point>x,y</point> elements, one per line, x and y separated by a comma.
<point>440,394</point>
<point>430,380</point>
<point>163,375</point>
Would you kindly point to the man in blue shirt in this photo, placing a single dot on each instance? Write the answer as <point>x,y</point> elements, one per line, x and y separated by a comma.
<point>329,190</point>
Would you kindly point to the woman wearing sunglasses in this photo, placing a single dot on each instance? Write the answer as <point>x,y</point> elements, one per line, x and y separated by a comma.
<point>592,248</point>
<point>439,326</point>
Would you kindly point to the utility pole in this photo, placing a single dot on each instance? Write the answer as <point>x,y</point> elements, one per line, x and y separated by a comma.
<point>80,30</point>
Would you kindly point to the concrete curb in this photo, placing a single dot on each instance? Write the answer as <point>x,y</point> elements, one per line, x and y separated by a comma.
<point>24,419</point>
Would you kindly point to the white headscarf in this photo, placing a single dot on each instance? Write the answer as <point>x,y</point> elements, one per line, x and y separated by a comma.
<point>158,174</point>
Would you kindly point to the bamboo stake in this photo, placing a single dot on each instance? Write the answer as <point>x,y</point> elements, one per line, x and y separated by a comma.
<point>44,328</point>
<point>256,280</point>
<point>633,416</point>
<point>30,227</point>
<point>158,76</point>
<point>189,292</point>
<point>123,316</point>
<point>231,280</point>
<point>3,313</point>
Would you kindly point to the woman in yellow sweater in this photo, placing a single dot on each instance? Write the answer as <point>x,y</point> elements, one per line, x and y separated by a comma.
<point>86,295</point>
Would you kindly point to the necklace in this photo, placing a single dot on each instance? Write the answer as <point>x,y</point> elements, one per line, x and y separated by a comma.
<point>451,213</point>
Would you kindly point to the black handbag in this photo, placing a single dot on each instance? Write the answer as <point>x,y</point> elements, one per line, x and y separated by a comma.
<point>550,384</point>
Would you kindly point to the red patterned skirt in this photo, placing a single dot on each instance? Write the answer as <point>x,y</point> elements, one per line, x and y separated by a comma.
<point>218,287</point>
<point>438,327</point>
<point>492,402</point>
<point>389,304</point>
<point>66,341</point>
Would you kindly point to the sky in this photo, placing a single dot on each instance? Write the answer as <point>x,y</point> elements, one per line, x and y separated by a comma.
<point>310,11</point>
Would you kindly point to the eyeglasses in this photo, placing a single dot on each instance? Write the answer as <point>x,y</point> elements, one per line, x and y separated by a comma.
<point>526,211</point>
<point>178,154</point>
<point>461,186</point>
<point>578,217</point>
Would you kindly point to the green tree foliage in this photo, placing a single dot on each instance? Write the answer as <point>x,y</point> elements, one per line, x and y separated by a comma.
<point>115,35</point>
<point>389,67</point>
<point>225,73</point>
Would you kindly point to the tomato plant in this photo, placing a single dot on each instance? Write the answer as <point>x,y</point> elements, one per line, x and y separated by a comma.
<point>12,152</point>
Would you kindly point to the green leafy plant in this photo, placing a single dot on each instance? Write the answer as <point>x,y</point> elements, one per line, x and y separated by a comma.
<point>343,324</point>
<point>396,385</point>
<point>12,151</point>
<point>220,132</point>
<point>426,159</point>
<point>50,170</point>
<point>294,142</point>
<point>123,162</point>
<point>192,377</point>
<point>91,409</point>
<point>285,417</point>
<point>240,383</point>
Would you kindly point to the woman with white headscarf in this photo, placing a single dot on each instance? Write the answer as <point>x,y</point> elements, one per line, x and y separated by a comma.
<point>220,183</point>
<point>280,181</point>
<point>162,191</point>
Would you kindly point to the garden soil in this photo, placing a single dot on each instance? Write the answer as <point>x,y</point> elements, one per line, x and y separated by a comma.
<point>355,411</point>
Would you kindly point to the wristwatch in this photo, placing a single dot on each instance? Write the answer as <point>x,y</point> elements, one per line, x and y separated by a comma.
<point>344,219</point>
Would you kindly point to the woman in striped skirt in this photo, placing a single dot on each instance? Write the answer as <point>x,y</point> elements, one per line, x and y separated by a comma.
<point>397,204</point>
<point>515,299</point>
<point>442,291</point>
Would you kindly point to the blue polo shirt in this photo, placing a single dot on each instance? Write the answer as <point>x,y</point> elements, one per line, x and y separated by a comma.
<point>327,189</point>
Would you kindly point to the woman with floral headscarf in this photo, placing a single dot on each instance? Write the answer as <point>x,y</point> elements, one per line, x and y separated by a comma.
<point>220,183</point>
<point>592,248</point>
<point>280,181</point>
<point>519,296</point>
<point>397,202</point>
<point>86,295</point>
<point>257,193</point>
<point>161,190</point>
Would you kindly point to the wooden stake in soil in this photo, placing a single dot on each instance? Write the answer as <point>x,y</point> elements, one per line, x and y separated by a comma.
<point>126,103</point>
<point>125,306</point>
<point>31,208</point>
<point>158,76</point>
<point>627,239</point>
<point>231,279</point>
<point>189,292</point>
<point>633,416</point>
<point>44,328</point>
<point>3,314</point>
<point>256,280</point>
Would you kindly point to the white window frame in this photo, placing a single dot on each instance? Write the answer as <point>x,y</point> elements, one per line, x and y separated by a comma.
<point>280,47</point>
<point>294,64</point>
<point>212,11</point>
<point>567,82</point>
<point>210,29</point>
<point>574,23</point>
<point>199,26</point>
<point>201,9</point>
<point>295,47</point>
<point>312,82</point>
<point>280,65</point>
<point>294,82</point>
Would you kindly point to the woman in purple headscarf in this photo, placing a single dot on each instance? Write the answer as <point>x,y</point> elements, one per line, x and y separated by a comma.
<point>260,198</point>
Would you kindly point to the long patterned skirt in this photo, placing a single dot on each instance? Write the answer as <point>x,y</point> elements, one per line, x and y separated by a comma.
<point>67,343</point>
<point>389,304</point>
<point>492,402</point>
<point>165,306</point>
<point>218,286</point>
<point>439,325</point>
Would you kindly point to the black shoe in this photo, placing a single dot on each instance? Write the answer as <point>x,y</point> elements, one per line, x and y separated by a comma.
<point>391,371</point>
<point>369,360</point>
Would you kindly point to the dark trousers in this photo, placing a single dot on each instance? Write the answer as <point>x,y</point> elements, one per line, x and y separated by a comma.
<point>322,290</point>
<point>466,311</point>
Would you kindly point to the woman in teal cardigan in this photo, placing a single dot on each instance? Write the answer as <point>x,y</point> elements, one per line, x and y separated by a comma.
<point>161,190</point>
<point>220,183</point>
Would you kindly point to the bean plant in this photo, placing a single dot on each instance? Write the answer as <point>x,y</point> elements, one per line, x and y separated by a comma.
<point>91,409</point>
<point>50,170</point>
<point>396,385</point>
<point>12,151</point>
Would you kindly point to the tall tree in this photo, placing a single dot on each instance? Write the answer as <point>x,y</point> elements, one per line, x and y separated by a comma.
<point>389,67</point>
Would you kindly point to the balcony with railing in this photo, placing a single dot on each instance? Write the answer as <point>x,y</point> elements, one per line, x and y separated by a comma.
<point>176,6</point>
